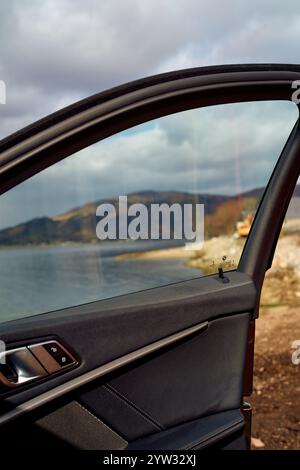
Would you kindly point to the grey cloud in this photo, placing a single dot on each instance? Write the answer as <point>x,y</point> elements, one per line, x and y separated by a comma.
<point>58,51</point>
<point>222,150</point>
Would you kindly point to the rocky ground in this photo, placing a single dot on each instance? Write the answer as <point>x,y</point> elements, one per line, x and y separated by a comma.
<point>276,397</point>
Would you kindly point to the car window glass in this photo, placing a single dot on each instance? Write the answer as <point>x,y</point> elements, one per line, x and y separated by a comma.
<point>217,159</point>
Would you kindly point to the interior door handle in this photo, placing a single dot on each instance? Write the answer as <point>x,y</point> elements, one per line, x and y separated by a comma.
<point>34,361</point>
<point>20,367</point>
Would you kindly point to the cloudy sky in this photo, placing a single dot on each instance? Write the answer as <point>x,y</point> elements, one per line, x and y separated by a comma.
<point>58,51</point>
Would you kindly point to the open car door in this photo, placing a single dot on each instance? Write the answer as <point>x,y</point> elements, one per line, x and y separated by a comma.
<point>167,367</point>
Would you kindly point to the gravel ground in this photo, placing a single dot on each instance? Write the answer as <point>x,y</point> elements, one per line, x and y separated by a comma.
<point>276,397</point>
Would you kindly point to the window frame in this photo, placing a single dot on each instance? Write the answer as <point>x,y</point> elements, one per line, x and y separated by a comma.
<point>61,134</point>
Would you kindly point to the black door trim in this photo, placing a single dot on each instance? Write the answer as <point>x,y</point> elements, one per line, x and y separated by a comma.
<point>101,371</point>
<point>61,134</point>
<point>261,243</point>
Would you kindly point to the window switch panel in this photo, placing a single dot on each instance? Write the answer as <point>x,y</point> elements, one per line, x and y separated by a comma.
<point>53,356</point>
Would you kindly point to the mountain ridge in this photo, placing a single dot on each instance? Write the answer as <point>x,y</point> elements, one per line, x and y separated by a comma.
<point>79,223</point>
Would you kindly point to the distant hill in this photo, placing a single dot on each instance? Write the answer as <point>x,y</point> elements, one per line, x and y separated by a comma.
<point>258,192</point>
<point>79,223</point>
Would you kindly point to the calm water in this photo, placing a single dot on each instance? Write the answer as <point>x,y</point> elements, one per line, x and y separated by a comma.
<point>38,280</point>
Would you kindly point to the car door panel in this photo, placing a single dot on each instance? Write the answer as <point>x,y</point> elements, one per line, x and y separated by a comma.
<point>104,331</point>
<point>161,368</point>
<point>181,384</point>
<point>195,435</point>
<point>185,382</point>
<point>188,381</point>
<point>176,380</point>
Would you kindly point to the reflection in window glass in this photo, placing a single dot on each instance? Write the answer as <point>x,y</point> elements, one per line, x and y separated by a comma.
<point>221,157</point>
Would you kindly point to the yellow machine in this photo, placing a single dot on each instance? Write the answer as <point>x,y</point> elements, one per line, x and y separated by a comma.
<point>243,227</point>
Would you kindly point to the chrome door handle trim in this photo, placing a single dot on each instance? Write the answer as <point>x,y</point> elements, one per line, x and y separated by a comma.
<point>24,364</point>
